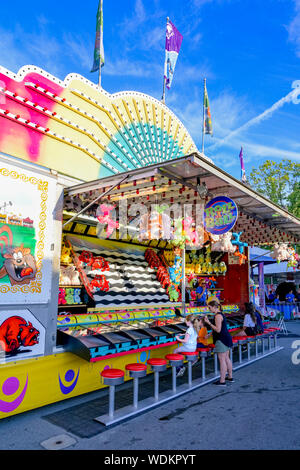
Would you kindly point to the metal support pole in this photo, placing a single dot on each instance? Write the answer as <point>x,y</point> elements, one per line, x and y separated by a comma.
<point>256,347</point>
<point>203,124</point>
<point>135,392</point>
<point>240,353</point>
<point>248,349</point>
<point>216,363</point>
<point>156,385</point>
<point>203,367</point>
<point>190,373</point>
<point>174,379</point>
<point>111,401</point>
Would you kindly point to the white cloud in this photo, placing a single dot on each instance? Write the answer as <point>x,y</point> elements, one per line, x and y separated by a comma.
<point>130,68</point>
<point>294,28</point>
<point>290,97</point>
<point>19,48</point>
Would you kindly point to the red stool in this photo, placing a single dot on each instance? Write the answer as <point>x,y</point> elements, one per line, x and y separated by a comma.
<point>190,357</point>
<point>157,365</point>
<point>175,360</point>
<point>136,371</point>
<point>112,377</point>
<point>204,353</point>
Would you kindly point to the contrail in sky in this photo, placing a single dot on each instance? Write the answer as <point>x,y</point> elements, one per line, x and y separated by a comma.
<point>290,97</point>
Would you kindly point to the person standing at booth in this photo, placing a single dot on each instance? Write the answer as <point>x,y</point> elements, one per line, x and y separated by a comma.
<point>201,293</point>
<point>222,341</point>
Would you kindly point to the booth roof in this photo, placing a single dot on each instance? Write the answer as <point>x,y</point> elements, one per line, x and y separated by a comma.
<point>177,181</point>
<point>257,255</point>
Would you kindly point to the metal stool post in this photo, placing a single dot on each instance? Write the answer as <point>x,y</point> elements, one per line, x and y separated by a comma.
<point>191,357</point>
<point>157,365</point>
<point>111,406</point>
<point>240,340</point>
<point>112,377</point>
<point>175,360</point>
<point>250,338</point>
<point>136,370</point>
<point>204,352</point>
<point>216,363</point>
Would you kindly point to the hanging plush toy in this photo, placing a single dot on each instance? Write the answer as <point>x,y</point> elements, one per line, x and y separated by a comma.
<point>173,293</point>
<point>238,243</point>
<point>175,271</point>
<point>223,243</point>
<point>191,235</point>
<point>105,219</point>
<point>241,256</point>
<point>222,268</point>
<point>62,297</point>
<point>281,252</point>
<point>66,257</point>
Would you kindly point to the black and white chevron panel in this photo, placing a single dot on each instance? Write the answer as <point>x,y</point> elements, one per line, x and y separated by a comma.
<point>131,280</point>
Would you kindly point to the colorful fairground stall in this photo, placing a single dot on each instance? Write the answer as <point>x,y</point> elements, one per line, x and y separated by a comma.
<point>111,223</point>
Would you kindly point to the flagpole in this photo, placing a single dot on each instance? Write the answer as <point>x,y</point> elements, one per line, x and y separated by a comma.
<point>100,42</point>
<point>164,78</point>
<point>203,124</point>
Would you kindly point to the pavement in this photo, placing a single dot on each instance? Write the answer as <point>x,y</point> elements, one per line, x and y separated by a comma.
<point>259,411</point>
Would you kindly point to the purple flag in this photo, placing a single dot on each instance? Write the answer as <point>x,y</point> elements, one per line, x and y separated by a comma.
<point>173,44</point>
<point>243,172</point>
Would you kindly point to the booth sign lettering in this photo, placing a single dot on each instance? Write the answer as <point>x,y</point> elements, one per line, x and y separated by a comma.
<point>220,215</point>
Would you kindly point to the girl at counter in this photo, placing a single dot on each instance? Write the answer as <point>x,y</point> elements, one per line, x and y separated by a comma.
<point>189,341</point>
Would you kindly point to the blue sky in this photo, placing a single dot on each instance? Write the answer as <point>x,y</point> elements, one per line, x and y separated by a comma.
<point>248,50</point>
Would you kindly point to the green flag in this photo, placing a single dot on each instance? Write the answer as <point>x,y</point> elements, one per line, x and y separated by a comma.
<point>99,50</point>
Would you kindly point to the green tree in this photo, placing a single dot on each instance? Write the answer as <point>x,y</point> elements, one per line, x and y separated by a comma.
<point>279,182</point>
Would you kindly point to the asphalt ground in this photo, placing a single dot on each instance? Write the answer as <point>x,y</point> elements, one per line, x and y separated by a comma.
<point>259,411</point>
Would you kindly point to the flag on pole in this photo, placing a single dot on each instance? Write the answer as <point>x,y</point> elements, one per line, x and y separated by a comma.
<point>243,172</point>
<point>99,50</point>
<point>207,115</point>
<point>173,44</point>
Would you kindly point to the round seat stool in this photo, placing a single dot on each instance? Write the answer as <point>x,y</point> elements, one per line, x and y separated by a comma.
<point>112,377</point>
<point>136,371</point>
<point>175,360</point>
<point>157,365</point>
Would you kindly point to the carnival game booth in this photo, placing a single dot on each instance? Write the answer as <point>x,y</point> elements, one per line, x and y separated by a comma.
<point>76,300</point>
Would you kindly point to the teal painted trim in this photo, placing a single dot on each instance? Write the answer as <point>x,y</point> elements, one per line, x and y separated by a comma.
<point>139,145</point>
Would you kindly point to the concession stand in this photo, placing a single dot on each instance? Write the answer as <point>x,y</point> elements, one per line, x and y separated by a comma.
<point>110,220</point>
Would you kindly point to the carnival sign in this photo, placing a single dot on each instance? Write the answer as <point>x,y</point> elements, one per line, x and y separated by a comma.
<point>220,215</point>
